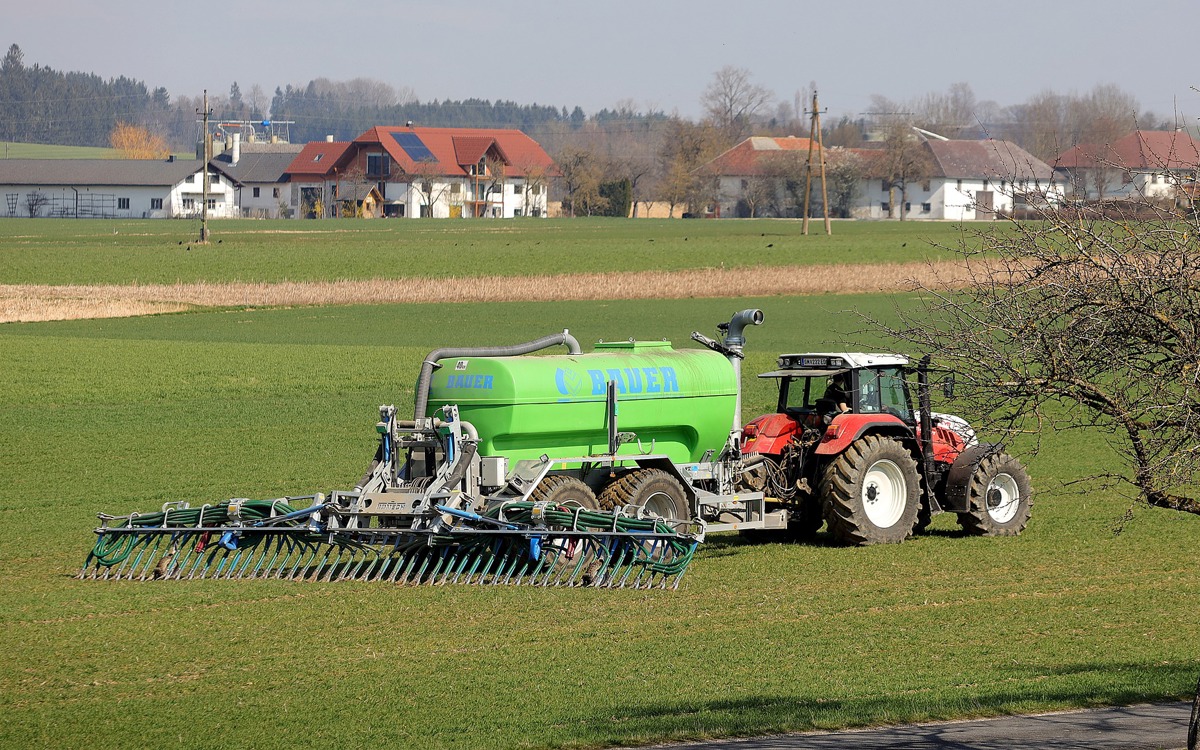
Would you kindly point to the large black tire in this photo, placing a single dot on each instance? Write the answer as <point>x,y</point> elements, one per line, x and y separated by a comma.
<point>1193,740</point>
<point>1001,498</point>
<point>558,488</point>
<point>656,490</point>
<point>872,492</point>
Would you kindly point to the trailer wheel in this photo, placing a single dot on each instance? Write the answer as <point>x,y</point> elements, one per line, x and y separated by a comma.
<point>871,492</point>
<point>1001,498</point>
<point>654,489</point>
<point>558,488</point>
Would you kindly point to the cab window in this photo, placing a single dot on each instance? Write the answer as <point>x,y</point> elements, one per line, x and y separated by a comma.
<point>882,390</point>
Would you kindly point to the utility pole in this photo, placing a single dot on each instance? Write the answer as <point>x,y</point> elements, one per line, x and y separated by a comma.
<point>814,133</point>
<point>206,112</point>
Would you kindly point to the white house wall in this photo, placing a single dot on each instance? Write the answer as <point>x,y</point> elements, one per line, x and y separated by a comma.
<point>122,201</point>
<point>271,195</point>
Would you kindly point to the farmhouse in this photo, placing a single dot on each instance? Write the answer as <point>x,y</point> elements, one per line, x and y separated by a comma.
<point>959,180</point>
<point>427,172</point>
<point>962,180</point>
<point>258,174</point>
<point>1143,164</point>
<point>113,188</point>
<point>752,178</point>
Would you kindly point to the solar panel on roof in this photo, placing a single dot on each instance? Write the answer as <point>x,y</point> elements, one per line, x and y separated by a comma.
<point>412,145</point>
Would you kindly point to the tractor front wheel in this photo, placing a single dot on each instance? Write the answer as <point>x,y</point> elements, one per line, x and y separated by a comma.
<point>1001,498</point>
<point>872,492</point>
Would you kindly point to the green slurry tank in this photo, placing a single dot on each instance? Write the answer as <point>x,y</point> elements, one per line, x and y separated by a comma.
<point>681,402</point>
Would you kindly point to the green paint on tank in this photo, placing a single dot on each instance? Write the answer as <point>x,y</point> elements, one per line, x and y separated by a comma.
<point>523,407</point>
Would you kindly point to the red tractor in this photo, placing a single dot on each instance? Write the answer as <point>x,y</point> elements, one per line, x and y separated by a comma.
<point>846,447</point>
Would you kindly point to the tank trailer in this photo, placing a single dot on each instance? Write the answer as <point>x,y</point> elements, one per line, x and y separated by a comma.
<point>603,469</point>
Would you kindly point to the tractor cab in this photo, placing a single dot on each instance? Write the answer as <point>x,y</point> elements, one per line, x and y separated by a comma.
<point>813,387</point>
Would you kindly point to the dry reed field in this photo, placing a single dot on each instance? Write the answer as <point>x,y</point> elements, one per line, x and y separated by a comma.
<point>29,303</point>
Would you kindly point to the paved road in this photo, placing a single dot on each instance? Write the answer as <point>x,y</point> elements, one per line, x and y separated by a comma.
<point>1160,726</point>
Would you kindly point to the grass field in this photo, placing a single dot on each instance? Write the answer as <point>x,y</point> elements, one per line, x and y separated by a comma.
<point>11,150</point>
<point>117,415</point>
<point>38,251</point>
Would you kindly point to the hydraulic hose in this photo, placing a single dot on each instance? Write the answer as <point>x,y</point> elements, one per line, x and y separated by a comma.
<point>421,402</point>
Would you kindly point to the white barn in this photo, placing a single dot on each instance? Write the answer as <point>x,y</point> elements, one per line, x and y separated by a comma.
<point>113,188</point>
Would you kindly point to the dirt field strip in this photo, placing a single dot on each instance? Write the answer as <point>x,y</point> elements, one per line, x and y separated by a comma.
<point>29,303</point>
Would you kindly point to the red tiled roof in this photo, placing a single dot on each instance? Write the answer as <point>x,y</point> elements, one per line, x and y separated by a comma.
<point>316,160</point>
<point>455,150</point>
<point>1141,149</point>
<point>747,157</point>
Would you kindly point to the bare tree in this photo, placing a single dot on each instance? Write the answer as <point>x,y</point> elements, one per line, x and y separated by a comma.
<point>732,100</point>
<point>843,172</point>
<point>685,147</point>
<point>1078,323</point>
<point>905,159</point>
<point>581,177</point>
<point>35,202</point>
<point>951,114</point>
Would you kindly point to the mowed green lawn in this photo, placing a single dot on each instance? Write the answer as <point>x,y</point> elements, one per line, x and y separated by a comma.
<point>118,415</point>
<point>43,251</point>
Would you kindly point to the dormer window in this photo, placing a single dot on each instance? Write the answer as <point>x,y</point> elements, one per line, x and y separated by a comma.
<point>318,157</point>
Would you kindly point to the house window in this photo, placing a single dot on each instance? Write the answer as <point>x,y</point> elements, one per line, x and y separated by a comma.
<point>958,184</point>
<point>123,204</point>
<point>274,192</point>
<point>379,165</point>
<point>215,179</point>
<point>212,203</point>
<point>986,185</point>
<point>190,178</point>
<point>1003,184</point>
<point>516,189</point>
<point>426,212</point>
<point>255,192</point>
<point>926,207</point>
<point>907,207</point>
<point>318,157</point>
<point>535,189</point>
<point>516,212</point>
<point>427,187</point>
<point>883,185</point>
<point>456,188</point>
<point>926,185</point>
<point>886,207</point>
<point>189,204</point>
<point>535,212</point>
<point>156,204</point>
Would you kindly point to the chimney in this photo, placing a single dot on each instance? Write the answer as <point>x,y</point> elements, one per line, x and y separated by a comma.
<point>235,149</point>
<point>329,139</point>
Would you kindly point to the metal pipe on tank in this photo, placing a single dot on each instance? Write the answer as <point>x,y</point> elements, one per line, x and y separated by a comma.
<point>422,390</point>
<point>735,342</point>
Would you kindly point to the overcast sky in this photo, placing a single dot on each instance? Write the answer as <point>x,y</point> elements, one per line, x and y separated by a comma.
<point>658,53</point>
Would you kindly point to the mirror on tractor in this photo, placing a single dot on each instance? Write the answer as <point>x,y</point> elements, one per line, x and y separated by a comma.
<point>948,386</point>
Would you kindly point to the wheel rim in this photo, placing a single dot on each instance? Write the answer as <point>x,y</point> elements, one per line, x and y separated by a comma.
<point>884,493</point>
<point>1003,497</point>
<point>661,504</point>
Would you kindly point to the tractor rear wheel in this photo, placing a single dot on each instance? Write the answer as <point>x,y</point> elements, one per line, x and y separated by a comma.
<point>1001,498</point>
<point>654,489</point>
<point>871,492</point>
